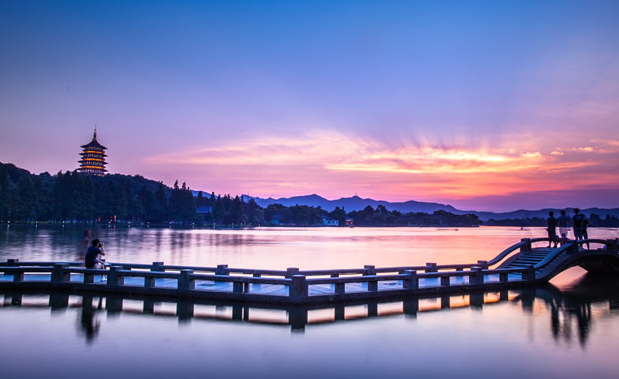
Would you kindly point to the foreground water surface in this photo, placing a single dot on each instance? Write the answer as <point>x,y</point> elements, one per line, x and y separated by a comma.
<point>569,328</point>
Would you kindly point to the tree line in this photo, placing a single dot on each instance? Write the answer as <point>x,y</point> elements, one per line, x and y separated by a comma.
<point>75,197</point>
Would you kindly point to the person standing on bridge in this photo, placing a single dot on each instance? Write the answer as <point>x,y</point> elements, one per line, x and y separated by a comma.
<point>578,221</point>
<point>564,226</point>
<point>552,229</point>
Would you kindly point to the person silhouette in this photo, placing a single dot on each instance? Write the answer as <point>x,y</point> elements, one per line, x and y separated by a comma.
<point>93,255</point>
<point>564,226</point>
<point>578,221</point>
<point>552,229</point>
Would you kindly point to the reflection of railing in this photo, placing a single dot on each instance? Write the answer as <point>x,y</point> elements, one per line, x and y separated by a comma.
<point>292,285</point>
<point>296,316</point>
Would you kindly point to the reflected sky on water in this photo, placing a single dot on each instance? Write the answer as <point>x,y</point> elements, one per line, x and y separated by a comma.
<point>536,332</point>
<point>272,248</point>
<point>569,329</point>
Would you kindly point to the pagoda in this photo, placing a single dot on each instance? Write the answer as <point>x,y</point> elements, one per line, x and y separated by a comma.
<point>93,158</point>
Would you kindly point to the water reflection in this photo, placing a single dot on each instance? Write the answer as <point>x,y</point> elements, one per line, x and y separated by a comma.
<point>271,248</point>
<point>571,312</point>
<point>89,321</point>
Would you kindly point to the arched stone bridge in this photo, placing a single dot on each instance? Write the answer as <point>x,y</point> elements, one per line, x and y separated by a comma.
<point>549,262</point>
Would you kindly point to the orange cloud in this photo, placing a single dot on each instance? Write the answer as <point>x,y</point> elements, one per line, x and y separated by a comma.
<point>334,164</point>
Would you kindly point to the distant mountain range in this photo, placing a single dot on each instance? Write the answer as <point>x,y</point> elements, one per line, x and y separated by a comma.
<point>356,203</point>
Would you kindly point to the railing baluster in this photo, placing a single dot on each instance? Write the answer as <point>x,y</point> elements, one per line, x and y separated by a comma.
<point>59,275</point>
<point>529,274</point>
<point>431,267</point>
<point>526,246</point>
<point>410,281</point>
<point>18,276</point>
<point>340,288</point>
<point>185,282</point>
<point>157,266</point>
<point>476,276</point>
<point>149,282</point>
<point>114,279</point>
<point>222,270</point>
<point>370,270</point>
<point>291,271</point>
<point>298,287</point>
<point>445,281</point>
<point>503,277</point>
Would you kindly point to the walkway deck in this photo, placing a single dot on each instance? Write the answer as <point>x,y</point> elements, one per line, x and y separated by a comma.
<point>520,265</point>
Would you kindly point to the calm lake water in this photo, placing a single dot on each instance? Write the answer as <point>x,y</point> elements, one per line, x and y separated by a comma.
<point>567,329</point>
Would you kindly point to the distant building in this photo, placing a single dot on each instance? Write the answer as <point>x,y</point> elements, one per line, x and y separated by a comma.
<point>328,221</point>
<point>93,158</point>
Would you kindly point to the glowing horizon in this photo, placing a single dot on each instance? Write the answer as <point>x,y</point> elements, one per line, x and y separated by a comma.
<point>485,105</point>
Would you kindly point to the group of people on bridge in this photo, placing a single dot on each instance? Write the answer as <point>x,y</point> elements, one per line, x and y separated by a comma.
<point>579,223</point>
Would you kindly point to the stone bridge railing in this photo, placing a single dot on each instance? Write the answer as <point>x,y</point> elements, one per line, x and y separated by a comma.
<point>283,286</point>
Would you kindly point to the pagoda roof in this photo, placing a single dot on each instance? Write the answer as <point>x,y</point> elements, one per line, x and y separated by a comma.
<point>94,142</point>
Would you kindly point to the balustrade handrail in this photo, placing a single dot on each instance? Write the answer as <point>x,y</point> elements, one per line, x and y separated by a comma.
<point>502,255</point>
<point>568,245</point>
<point>295,280</point>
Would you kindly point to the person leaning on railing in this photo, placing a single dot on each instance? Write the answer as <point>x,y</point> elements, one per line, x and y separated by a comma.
<point>93,255</point>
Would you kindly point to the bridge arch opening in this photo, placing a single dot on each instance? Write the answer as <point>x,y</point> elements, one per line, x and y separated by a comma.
<point>568,277</point>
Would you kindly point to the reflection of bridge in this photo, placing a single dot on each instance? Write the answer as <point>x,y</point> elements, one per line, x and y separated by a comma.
<point>522,264</point>
<point>563,307</point>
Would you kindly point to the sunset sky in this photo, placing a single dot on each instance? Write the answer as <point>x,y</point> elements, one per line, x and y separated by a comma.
<point>486,105</point>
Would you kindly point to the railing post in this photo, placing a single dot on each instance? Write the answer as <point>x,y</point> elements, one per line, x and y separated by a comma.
<point>221,270</point>
<point>298,287</point>
<point>529,274</point>
<point>373,286</point>
<point>370,270</point>
<point>237,287</point>
<point>185,283</point>
<point>410,281</point>
<point>291,271</point>
<point>476,276</point>
<point>157,266</point>
<point>503,277</point>
<point>431,267</point>
<point>526,246</point>
<point>149,281</point>
<point>340,288</point>
<point>18,277</point>
<point>445,281</point>
<point>114,279</point>
<point>58,274</point>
